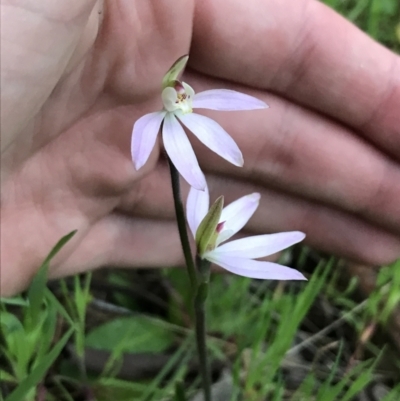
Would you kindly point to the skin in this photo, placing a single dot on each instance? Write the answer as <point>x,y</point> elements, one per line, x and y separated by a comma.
<point>77,74</point>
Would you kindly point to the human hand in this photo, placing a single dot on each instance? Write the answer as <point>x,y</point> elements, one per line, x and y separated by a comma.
<point>325,157</point>
<point>75,76</point>
<point>74,86</point>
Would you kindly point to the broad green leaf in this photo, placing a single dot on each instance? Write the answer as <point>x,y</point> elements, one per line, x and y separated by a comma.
<point>39,372</point>
<point>175,71</point>
<point>131,334</point>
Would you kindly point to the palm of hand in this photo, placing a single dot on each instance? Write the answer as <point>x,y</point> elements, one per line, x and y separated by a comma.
<point>75,167</point>
<point>67,166</point>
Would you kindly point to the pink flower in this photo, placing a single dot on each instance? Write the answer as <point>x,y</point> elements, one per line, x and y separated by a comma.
<point>238,256</point>
<point>179,100</point>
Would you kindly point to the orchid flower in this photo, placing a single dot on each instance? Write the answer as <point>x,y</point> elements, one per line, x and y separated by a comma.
<point>179,100</point>
<point>238,256</point>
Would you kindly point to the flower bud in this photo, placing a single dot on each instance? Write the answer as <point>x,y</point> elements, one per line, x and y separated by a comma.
<point>207,233</point>
<point>174,72</point>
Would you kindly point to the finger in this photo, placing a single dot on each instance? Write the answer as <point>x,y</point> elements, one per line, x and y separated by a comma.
<point>123,241</point>
<point>144,38</point>
<point>116,240</point>
<point>308,53</point>
<point>330,230</point>
<point>298,151</point>
<point>120,240</point>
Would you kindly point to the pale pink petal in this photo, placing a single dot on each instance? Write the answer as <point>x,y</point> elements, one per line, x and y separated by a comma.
<point>255,268</point>
<point>237,214</point>
<point>181,153</point>
<point>259,246</point>
<point>226,100</point>
<point>197,206</point>
<point>144,137</point>
<point>213,136</point>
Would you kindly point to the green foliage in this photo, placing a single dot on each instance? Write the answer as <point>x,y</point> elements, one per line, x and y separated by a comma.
<point>181,356</point>
<point>29,335</point>
<point>379,18</point>
<point>40,370</point>
<point>76,304</point>
<point>356,380</point>
<point>393,395</point>
<point>38,286</point>
<point>133,334</point>
<point>180,392</point>
<point>386,296</point>
<point>180,303</point>
<point>274,321</point>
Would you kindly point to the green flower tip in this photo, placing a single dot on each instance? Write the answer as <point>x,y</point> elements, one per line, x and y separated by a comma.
<point>207,233</point>
<point>174,72</point>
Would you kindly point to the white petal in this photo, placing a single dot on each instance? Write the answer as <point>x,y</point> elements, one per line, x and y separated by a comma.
<point>255,268</point>
<point>237,214</point>
<point>169,97</point>
<point>213,136</point>
<point>188,90</point>
<point>144,137</point>
<point>226,100</point>
<point>197,205</point>
<point>224,235</point>
<point>259,246</point>
<point>181,153</point>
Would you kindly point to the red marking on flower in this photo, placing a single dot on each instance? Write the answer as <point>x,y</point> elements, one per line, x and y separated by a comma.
<point>220,227</point>
<point>179,87</point>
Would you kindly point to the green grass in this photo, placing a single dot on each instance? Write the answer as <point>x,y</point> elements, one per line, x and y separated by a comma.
<point>379,18</point>
<point>256,330</point>
<point>253,328</point>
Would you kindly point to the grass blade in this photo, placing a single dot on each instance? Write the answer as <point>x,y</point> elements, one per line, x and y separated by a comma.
<point>40,371</point>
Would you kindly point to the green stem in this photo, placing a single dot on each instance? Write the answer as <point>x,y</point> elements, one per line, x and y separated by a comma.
<point>180,218</point>
<point>199,290</point>
<point>203,266</point>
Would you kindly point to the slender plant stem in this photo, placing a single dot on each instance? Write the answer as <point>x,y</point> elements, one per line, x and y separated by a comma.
<point>202,349</point>
<point>203,266</point>
<point>200,289</point>
<point>180,218</point>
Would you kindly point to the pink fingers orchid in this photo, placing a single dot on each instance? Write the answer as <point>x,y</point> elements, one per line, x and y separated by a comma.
<point>237,256</point>
<point>179,100</point>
